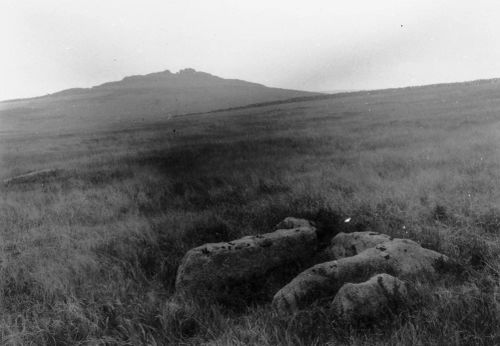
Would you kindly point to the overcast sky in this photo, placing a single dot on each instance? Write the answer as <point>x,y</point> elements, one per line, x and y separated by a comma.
<point>311,45</point>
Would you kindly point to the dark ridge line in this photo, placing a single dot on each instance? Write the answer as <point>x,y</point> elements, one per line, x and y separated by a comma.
<point>262,104</point>
<point>347,93</point>
<point>320,96</point>
<point>24,99</point>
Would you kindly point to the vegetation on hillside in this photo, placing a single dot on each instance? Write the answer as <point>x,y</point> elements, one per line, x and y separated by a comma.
<point>89,255</point>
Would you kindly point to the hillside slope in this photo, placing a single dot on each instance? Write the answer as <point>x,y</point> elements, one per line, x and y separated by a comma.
<point>135,99</point>
<point>95,225</point>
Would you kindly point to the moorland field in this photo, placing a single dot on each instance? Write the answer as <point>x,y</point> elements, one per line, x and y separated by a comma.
<point>89,253</point>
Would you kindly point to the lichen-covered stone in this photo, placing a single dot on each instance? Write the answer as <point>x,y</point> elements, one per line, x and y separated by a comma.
<point>208,268</point>
<point>350,244</point>
<point>371,299</point>
<point>400,257</point>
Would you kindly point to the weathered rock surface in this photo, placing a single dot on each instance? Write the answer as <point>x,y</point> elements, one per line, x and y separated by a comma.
<point>371,299</point>
<point>293,222</point>
<point>350,244</point>
<point>207,268</point>
<point>400,257</point>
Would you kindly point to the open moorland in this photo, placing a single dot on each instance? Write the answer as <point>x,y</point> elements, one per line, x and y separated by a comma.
<point>89,252</point>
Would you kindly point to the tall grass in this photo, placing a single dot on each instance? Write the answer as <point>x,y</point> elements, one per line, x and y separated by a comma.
<point>89,255</point>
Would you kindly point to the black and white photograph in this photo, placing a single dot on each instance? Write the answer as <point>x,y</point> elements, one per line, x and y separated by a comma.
<point>263,173</point>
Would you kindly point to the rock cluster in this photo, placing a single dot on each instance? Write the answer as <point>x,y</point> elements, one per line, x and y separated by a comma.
<point>363,273</point>
<point>400,257</point>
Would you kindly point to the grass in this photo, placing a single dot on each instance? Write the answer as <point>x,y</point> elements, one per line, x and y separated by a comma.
<point>89,254</point>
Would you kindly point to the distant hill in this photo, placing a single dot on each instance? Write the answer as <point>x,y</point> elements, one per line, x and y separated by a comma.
<point>136,99</point>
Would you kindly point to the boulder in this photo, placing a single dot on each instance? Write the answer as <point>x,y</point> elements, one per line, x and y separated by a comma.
<point>210,267</point>
<point>350,244</point>
<point>400,257</point>
<point>371,299</point>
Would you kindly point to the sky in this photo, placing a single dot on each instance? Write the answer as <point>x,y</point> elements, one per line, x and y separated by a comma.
<point>315,45</point>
